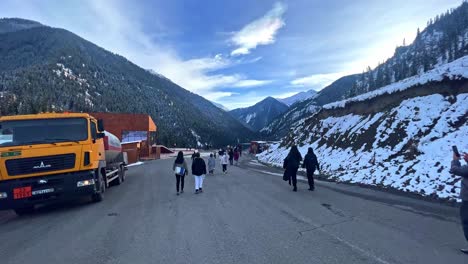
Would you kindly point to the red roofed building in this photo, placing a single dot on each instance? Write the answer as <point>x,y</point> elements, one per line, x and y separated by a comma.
<point>131,128</point>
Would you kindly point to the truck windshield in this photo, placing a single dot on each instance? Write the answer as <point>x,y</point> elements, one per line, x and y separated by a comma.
<point>38,131</point>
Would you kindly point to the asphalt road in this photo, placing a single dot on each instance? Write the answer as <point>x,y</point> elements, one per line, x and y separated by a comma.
<point>247,216</point>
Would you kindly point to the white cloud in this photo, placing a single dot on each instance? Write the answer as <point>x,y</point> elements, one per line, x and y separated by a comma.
<point>213,96</point>
<point>317,81</point>
<point>259,32</point>
<point>251,83</point>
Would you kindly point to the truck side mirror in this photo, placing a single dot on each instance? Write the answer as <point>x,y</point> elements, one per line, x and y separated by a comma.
<point>101,135</point>
<point>100,125</point>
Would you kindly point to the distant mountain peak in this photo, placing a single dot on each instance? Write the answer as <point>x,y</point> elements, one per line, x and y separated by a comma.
<point>299,97</point>
<point>261,114</point>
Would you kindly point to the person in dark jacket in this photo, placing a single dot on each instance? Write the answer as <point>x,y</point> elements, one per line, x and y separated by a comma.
<point>199,172</point>
<point>462,171</point>
<point>181,171</point>
<point>310,163</point>
<point>231,156</point>
<point>291,165</point>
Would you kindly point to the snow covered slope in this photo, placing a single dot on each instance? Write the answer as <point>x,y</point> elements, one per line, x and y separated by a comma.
<point>299,97</point>
<point>399,136</point>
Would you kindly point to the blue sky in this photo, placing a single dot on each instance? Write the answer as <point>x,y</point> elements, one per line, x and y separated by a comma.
<point>238,52</point>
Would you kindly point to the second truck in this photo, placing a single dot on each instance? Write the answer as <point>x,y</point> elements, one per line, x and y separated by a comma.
<point>55,157</point>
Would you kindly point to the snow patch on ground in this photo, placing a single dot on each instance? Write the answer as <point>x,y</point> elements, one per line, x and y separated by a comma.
<point>135,164</point>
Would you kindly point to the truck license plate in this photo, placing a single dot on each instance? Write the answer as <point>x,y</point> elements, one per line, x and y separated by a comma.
<point>43,191</point>
<point>23,192</point>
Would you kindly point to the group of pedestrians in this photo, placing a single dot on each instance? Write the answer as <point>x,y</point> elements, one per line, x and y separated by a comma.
<point>199,167</point>
<point>291,165</point>
<point>229,156</point>
<point>181,170</point>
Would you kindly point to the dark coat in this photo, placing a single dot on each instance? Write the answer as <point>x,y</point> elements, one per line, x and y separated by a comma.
<point>231,154</point>
<point>198,167</point>
<point>310,162</point>
<point>291,165</point>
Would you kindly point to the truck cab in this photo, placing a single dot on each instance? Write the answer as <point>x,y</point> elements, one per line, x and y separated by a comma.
<point>51,157</point>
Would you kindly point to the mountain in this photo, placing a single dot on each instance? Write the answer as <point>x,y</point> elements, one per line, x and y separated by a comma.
<point>299,97</point>
<point>261,114</point>
<point>220,106</point>
<point>444,40</point>
<point>398,136</point>
<point>51,69</point>
<point>280,125</point>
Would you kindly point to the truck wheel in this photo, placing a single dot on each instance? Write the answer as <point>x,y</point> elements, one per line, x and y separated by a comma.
<point>99,196</point>
<point>24,210</point>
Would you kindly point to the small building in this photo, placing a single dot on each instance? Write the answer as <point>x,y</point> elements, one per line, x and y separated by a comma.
<point>131,128</point>
<point>258,146</point>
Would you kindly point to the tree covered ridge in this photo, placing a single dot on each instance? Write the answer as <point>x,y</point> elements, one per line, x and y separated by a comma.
<point>48,69</point>
<point>442,41</point>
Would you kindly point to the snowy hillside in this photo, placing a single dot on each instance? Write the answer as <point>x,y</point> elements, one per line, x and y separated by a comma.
<point>455,70</point>
<point>299,97</point>
<point>404,144</point>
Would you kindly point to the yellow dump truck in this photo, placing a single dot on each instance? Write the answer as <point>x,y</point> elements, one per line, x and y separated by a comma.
<point>55,157</point>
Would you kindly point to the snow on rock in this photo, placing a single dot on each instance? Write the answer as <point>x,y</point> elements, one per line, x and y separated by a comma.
<point>249,117</point>
<point>407,147</point>
<point>68,73</point>
<point>197,137</point>
<point>299,97</point>
<point>455,70</point>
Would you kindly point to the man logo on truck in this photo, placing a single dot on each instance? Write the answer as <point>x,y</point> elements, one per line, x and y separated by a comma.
<point>42,181</point>
<point>42,166</point>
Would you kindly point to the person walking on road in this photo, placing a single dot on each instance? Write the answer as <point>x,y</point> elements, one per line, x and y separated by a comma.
<point>199,172</point>
<point>180,168</point>
<point>211,164</point>
<point>231,156</point>
<point>291,165</point>
<point>224,162</point>
<point>310,163</point>
<point>462,171</point>
<point>236,156</point>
